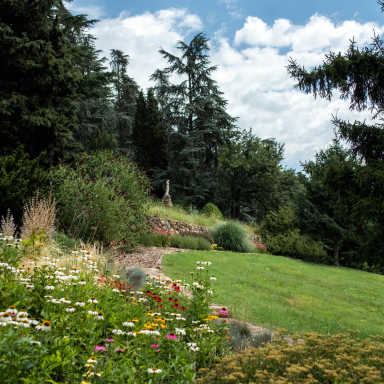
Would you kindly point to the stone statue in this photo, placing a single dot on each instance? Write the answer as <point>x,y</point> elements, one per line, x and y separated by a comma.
<point>167,189</point>
<point>167,198</point>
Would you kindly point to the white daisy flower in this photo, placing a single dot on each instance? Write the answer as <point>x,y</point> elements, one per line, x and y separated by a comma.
<point>115,290</point>
<point>154,370</point>
<point>82,282</point>
<point>199,267</point>
<point>70,309</point>
<point>80,303</point>
<point>35,342</point>
<point>129,324</point>
<point>30,286</point>
<point>92,312</point>
<point>117,331</point>
<point>46,326</point>
<point>116,276</point>
<point>100,316</point>
<point>213,278</point>
<point>50,287</point>
<point>180,331</point>
<point>93,300</point>
<point>92,360</point>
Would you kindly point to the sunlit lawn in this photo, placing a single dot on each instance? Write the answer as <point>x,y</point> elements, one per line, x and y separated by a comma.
<point>278,292</point>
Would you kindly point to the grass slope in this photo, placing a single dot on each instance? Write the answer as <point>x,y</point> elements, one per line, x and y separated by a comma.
<point>278,292</point>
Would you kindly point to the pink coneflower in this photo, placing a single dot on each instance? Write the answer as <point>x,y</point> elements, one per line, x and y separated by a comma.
<point>109,340</point>
<point>99,347</point>
<point>171,336</point>
<point>223,312</point>
<point>155,345</point>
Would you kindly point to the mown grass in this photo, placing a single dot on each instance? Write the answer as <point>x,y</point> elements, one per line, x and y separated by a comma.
<point>278,292</point>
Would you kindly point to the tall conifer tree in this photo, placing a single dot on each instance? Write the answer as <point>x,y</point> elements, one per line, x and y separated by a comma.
<point>195,112</point>
<point>37,79</point>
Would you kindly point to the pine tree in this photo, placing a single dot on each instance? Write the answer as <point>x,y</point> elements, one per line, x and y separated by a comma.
<point>126,91</point>
<point>37,79</point>
<point>149,135</point>
<point>195,112</point>
<point>95,110</point>
<point>358,75</point>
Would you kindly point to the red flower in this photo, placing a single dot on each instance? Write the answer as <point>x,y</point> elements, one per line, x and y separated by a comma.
<point>176,306</point>
<point>159,300</point>
<point>148,293</point>
<point>182,308</point>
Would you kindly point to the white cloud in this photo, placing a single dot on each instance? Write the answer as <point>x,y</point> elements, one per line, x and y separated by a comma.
<point>141,36</point>
<point>260,91</point>
<point>251,69</point>
<point>93,11</point>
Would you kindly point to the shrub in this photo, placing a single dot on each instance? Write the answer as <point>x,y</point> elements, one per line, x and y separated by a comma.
<point>101,197</point>
<point>190,242</point>
<point>155,238</point>
<point>203,235</point>
<point>8,227</point>
<point>211,210</point>
<point>283,239</point>
<point>231,236</point>
<point>320,359</point>
<point>19,179</point>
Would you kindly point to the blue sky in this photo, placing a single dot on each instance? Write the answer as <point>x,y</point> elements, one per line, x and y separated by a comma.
<point>251,42</point>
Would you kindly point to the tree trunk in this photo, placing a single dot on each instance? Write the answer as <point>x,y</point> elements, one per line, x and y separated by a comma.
<point>336,252</point>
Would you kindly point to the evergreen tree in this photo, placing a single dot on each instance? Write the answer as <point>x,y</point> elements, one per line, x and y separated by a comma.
<point>319,211</point>
<point>194,111</point>
<point>251,177</point>
<point>37,79</point>
<point>149,135</point>
<point>95,109</point>
<point>126,91</point>
<point>20,177</point>
<point>358,75</point>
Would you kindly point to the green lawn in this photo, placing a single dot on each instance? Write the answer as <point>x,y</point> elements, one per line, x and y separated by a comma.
<point>278,292</point>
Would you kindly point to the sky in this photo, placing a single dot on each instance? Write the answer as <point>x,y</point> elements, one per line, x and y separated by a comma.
<point>251,42</point>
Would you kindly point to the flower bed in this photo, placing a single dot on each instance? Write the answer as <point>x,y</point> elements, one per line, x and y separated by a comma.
<point>71,324</point>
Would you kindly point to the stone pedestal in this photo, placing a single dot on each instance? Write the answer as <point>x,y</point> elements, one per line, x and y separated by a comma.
<point>167,200</point>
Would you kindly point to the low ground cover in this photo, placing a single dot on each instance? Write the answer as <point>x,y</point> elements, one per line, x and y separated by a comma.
<point>278,292</point>
<point>69,319</point>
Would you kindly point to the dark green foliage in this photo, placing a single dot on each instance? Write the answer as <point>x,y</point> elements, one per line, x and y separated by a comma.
<point>319,211</point>
<point>149,134</point>
<point>278,232</point>
<point>252,181</point>
<point>194,112</point>
<point>37,79</point>
<point>104,140</point>
<point>211,210</point>
<point>102,197</point>
<point>126,92</point>
<point>358,75</point>
<point>20,177</point>
<point>190,242</point>
<point>232,237</point>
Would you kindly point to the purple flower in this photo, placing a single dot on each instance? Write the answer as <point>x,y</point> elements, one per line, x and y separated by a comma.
<point>171,336</point>
<point>155,345</point>
<point>109,340</point>
<point>223,312</point>
<point>99,347</point>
